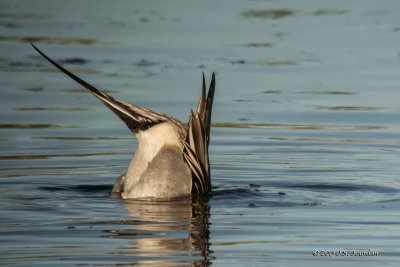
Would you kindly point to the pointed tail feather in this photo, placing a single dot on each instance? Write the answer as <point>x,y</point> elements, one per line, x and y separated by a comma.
<point>197,140</point>
<point>136,118</point>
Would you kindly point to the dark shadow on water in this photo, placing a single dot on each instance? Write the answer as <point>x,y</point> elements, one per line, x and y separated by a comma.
<point>103,189</point>
<point>292,194</point>
<point>235,192</point>
<point>252,196</point>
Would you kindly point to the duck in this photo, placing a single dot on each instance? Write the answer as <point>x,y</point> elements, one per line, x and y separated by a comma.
<point>172,157</point>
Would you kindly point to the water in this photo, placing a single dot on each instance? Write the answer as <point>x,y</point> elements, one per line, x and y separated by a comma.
<point>305,141</point>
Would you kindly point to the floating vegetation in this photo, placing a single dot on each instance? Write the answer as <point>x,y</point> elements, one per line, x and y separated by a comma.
<point>262,101</point>
<point>269,63</point>
<point>271,92</point>
<point>33,89</point>
<point>47,156</point>
<point>49,40</point>
<point>73,61</point>
<point>259,45</point>
<point>28,126</point>
<point>273,63</point>
<point>349,108</point>
<point>78,138</point>
<point>296,126</point>
<point>323,12</point>
<point>334,140</point>
<point>63,90</point>
<point>328,92</point>
<point>268,13</point>
<point>49,109</point>
<point>145,63</point>
<point>83,90</point>
<point>22,16</point>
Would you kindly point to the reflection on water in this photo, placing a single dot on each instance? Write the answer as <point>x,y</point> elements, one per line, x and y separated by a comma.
<point>167,233</point>
<point>305,140</point>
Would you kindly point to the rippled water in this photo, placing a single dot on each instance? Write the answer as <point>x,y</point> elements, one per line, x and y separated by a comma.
<point>305,141</point>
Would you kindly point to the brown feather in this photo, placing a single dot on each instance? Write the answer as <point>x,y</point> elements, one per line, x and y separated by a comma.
<point>197,140</point>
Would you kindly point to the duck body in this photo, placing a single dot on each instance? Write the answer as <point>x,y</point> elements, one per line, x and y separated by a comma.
<point>158,169</point>
<point>171,160</point>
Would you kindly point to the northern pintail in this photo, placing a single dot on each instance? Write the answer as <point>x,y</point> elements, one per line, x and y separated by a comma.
<point>171,160</point>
